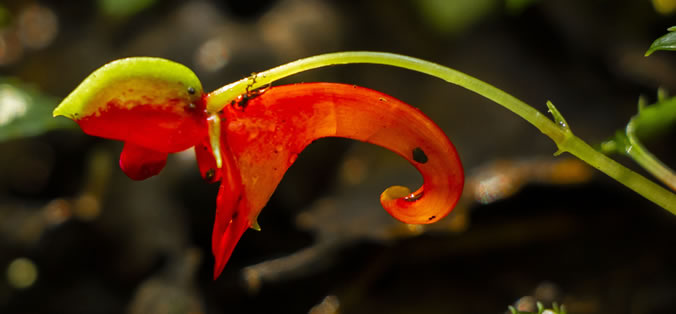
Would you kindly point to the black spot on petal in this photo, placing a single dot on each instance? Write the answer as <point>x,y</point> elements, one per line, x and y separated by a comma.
<point>210,174</point>
<point>419,155</point>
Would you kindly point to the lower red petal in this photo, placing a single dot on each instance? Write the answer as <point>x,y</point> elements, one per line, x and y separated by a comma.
<point>140,163</point>
<point>233,211</point>
<point>206,162</point>
<point>230,223</point>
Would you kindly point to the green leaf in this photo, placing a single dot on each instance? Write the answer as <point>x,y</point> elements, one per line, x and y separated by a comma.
<point>666,42</point>
<point>656,119</point>
<point>24,111</point>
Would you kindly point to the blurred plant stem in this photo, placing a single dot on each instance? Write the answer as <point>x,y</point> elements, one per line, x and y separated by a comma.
<point>558,131</point>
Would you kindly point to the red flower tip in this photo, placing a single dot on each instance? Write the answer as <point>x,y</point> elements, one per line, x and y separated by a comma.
<point>140,163</point>
<point>225,237</point>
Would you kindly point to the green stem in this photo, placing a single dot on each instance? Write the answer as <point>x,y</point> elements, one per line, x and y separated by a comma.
<point>648,161</point>
<point>559,132</point>
<point>650,121</point>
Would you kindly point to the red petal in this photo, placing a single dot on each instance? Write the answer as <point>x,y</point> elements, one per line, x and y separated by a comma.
<point>229,225</point>
<point>157,120</point>
<point>233,214</point>
<point>264,133</point>
<point>167,128</point>
<point>206,162</point>
<point>140,163</point>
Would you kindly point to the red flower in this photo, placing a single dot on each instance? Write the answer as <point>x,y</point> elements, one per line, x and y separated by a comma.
<point>251,143</point>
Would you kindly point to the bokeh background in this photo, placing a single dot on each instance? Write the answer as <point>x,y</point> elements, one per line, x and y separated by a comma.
<point>77,236</point>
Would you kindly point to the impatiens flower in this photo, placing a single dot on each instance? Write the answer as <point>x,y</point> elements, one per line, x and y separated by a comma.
<point>158,107</point>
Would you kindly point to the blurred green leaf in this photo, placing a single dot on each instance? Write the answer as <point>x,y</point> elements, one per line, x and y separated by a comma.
<point>664,7</point>
<point>123,8</point>
<point>452,17</point>
<point>24,111</point>
<point>666,42</point>
<point>515,7</point>
<point>5,16</point>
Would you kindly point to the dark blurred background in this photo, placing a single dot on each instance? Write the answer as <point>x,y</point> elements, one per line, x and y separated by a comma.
<point>77,236</point>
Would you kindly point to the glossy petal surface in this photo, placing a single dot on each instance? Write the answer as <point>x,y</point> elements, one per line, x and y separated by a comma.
<point>267,130</point>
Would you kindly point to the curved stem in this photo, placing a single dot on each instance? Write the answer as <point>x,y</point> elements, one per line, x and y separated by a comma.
<point>560,134</point>
<point>650,121</point>
<point>648,161</point>
<point>222,96</point>
<point>629,178</point>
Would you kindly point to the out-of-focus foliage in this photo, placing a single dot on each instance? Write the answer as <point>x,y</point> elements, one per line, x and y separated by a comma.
<point>517,6</point>
<point>29,28</point>
<point>4,16</point>
<point>666,42</point>
<point>665,7</point>
<point>24,111</point>
<point>123,8</point>
<point>452,17</point>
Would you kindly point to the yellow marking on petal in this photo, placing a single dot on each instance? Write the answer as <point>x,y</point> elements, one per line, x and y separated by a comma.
<point>395,192</point>
<point>214,122</point>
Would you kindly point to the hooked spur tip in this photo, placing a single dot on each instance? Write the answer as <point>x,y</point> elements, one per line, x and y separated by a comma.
<point>405,206</point>
<point>395,192</point>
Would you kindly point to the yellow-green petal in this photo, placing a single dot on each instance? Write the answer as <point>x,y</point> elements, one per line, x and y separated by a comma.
<point>131,79</point>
